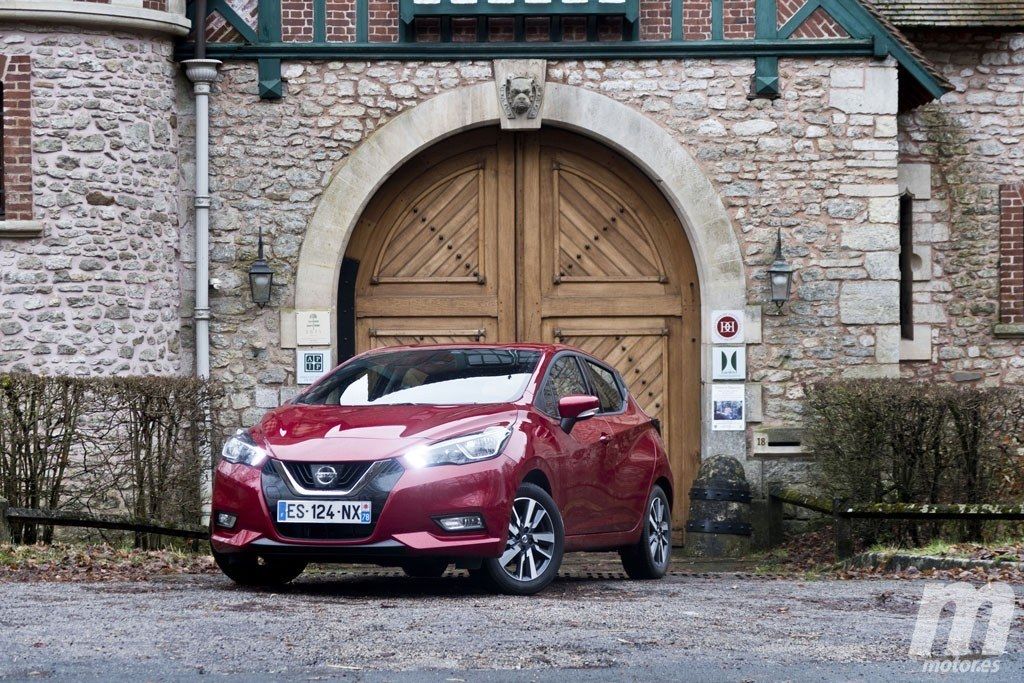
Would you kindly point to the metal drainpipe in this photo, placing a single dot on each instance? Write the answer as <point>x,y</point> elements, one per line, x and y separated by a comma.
<point>202,72</point>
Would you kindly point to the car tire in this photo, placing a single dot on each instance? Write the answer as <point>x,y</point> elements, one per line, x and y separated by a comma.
<point>425,568</point>
<point>531,558</point>
<point>253,571</point>
<point>650,556</point>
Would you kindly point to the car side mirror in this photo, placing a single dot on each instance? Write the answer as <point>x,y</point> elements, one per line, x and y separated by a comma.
<point>572,409</point>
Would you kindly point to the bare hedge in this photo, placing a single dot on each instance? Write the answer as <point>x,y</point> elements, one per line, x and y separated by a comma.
<point>904,441</point>
<point>133,445</point>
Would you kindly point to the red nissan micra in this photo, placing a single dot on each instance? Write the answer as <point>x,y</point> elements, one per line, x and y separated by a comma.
<point>496,458</point>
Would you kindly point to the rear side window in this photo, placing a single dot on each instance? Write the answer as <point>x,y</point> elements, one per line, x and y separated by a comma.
<point>606,387</point>
<point>564,379</point>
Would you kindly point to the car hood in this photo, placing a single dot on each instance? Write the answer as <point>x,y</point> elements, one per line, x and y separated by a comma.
<point>312,433</point>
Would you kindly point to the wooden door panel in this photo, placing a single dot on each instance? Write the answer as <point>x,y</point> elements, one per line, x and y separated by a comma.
<point>637,348</point>
<point>375,333</point>
<point>430,239</point>
<point>596,233</point>
<point>450,216</point>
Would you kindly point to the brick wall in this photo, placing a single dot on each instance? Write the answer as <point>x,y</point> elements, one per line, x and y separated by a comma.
<point>15,72</point>
<point>297,20</point>
<point>787,8</point>
<point>158,5</point>
<point>341,20</point>
<point>820,25</point>
<point>697,20</point>
<point>655,19</point>
<point>1011,254</point>
<point>738,22</point>
<point>383,20</point>
<point>738,18</point>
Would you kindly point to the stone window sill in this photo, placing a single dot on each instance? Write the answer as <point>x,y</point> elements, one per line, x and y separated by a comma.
<point>1009,331</point>
<point>20,229</point>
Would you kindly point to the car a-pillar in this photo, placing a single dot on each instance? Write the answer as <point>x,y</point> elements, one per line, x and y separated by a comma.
<point>649,254</point>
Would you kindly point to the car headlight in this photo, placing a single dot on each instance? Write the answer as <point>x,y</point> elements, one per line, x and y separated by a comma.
<point>240,448</point>
<point>460,450</point>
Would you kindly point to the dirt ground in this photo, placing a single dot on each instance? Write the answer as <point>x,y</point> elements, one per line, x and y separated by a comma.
<point>699,623</point>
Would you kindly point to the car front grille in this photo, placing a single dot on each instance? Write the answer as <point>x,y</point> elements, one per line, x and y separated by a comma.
<point>347,474</point>
<point>376,490</point>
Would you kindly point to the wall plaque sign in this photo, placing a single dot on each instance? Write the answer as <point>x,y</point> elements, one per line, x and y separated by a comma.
<point>311,364</point>
<point>727,327</point>
<point>312,328</point>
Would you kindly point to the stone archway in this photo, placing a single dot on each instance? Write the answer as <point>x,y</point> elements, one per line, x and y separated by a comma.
<point>690,193</point>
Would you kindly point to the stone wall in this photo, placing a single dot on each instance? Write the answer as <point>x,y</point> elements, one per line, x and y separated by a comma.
<point>956,154</point>
<point>820,164</point>
<point>99,291</point>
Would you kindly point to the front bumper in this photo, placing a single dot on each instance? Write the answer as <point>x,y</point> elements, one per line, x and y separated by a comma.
<point>404,511</point>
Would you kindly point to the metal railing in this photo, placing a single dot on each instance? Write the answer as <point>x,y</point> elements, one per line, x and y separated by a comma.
<point>138,525</point>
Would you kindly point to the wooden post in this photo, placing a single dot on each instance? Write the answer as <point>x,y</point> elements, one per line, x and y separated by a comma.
<point>760,524</point>
<point>5,527</point>
<point>844,531</point>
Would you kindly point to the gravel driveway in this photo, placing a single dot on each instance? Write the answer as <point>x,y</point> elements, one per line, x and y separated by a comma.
<point>352,626</point>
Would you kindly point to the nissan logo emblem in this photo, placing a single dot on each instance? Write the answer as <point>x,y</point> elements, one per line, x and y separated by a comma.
<point>325,475</point>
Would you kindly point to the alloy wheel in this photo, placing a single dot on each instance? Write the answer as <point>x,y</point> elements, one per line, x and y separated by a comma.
<point>658,536</point>
<point>531,540</point>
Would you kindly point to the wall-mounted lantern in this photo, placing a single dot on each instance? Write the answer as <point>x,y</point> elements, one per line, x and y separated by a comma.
<point>780,275</point>
<point>261,277</point>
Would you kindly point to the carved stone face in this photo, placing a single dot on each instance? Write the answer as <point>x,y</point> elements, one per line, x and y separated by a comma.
<point>521,91</point>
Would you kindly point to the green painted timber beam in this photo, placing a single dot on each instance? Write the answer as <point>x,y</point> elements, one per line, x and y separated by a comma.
<point>268,30</point>
<point>732,49</point>
<point>766,82</point>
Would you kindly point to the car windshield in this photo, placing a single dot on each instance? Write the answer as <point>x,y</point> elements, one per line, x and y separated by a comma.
<point>428,377</point>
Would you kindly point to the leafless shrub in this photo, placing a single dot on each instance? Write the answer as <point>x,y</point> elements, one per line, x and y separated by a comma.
<point>133,445</point>
<point>889,441</point>
<point>37,430</point>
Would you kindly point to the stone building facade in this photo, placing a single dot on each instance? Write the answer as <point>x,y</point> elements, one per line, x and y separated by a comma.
<point>814,144</point>
<point>963,163</point>
<point>91,272</point>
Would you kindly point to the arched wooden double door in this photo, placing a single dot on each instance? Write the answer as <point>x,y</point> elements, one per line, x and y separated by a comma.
<point>541,236</point>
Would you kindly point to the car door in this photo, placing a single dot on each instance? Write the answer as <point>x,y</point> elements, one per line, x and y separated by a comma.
<point>623,471</point>
<point>575,458</point>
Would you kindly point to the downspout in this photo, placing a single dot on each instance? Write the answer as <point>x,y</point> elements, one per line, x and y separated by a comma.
<point>203,72</point>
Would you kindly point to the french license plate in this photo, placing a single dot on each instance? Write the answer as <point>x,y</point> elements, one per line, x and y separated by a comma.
<point>324,512</point>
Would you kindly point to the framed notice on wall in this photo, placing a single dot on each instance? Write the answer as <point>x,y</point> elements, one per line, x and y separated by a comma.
<point>728,407</point>
<point>312,328</point>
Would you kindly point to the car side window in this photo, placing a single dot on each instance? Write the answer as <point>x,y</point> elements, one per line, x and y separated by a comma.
<point>564,379</point>
<point>606,387</point>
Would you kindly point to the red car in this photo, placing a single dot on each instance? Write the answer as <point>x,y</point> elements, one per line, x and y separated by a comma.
<point>496,458</point>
